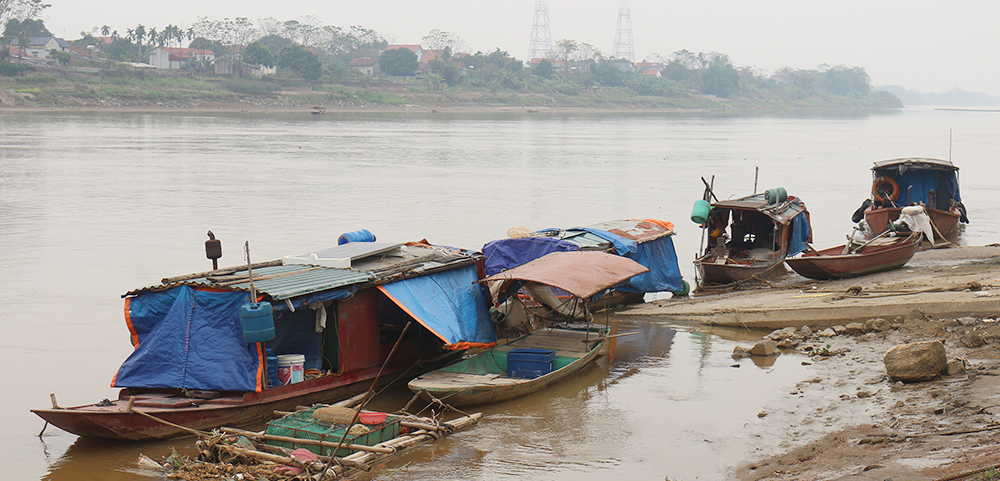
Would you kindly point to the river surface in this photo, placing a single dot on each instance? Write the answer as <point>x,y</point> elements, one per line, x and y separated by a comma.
<point>93,205</point>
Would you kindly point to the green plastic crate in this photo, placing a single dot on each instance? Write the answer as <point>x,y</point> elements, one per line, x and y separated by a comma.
<point>302,425</point>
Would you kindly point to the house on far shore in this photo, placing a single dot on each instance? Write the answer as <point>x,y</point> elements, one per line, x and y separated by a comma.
<point>232,65</point>
<point>367,66</point>
<point>41,46</point>
<point>168,58</point>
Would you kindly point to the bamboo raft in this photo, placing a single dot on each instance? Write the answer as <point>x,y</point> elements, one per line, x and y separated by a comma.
<point>229,451</point>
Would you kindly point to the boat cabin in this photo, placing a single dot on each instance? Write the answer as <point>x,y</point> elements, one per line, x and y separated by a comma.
<point>751,235</point>
<point>897,183</point>
<point>188,333</point>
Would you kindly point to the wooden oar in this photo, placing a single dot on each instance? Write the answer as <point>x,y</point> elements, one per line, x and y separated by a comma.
<point>873,239</point>
<point>601,338</point>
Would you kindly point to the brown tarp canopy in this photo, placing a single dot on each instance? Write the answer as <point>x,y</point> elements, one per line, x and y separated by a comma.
<point>581,273</point>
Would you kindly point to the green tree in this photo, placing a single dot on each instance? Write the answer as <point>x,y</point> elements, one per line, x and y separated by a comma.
<point>274,43</point>
<point>609,75</point>
<point>844,80</point>
<point>258,54</point>
<point>720,78</point>
<point>20,10</point>
<point>60,56</point>
<point>31,27</point>
<point>447,70</point>
<point>298,58</point>
<point>105,30</point>
<point>398,62</point>
<point>543,69</point>
<point>202,43</point>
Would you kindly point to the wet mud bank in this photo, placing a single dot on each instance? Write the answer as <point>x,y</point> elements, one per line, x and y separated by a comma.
<point>851,420</point>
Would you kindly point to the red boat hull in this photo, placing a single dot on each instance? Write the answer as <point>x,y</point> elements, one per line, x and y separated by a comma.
<point>832,264</point>
<point>945,221</point>
<point>232,409</point>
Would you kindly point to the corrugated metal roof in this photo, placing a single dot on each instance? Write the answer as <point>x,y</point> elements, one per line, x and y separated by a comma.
<point>289,281</point>
<point>279,282</point>
<point>782,213</point>
<point>302,280</point>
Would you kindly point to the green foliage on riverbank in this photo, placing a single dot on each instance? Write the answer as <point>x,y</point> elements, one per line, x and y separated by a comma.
<point>492,85</point>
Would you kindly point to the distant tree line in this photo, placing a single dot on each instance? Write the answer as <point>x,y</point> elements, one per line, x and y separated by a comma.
<point>311,50</point>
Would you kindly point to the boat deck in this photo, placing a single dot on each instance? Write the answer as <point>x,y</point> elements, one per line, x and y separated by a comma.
<point>565,344</point>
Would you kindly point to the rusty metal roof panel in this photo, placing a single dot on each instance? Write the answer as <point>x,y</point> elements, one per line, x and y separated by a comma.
<point>915,163</point>
<point>782,212</point>
<point>288,281</point>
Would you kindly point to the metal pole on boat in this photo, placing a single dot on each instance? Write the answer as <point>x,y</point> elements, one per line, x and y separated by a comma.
<point>756,171</point>
<point>253,293</point>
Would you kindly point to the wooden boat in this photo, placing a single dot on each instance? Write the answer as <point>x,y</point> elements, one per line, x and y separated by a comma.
<point>490,376</point>
<point>483,379</point>
<point>910,181</point>
<point>193,367</point>
<point>846,261</point>
<point>763,229</point>
<point>317,110</point>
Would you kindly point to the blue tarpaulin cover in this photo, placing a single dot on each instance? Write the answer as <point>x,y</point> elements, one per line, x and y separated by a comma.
<point>450,304</point>
<point>189,338</point>
<point>801,232</point>
<point>916,185</point>
<point>506,254</point>
<point>661,259</point>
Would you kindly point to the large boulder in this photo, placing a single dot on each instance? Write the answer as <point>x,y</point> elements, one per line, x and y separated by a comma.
<point>918,361</point>
<point>765,348</point>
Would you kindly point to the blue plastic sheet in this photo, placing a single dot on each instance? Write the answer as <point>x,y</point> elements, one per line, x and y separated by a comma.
<point>661,259</point>
<point>190,339</point>
<point>506,254</point>
<point>450,304</point>
<point>801,231</point>
<point>916,185</point>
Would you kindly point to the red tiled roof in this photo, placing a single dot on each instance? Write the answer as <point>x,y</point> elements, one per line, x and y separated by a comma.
<point>431,55</point>
<point>412,48</point>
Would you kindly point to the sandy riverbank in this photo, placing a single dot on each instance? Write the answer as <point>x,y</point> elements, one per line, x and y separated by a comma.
<point>851,422</point>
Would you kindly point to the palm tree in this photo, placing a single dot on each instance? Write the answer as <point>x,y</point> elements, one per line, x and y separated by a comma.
<point>152,36</point>
<point>105,30</point>
<point>140,36</point>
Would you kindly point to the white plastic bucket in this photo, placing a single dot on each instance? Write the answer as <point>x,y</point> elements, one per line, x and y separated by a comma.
<point>290,368</point>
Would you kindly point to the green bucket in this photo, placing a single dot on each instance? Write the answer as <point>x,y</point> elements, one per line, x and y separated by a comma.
<point>699,215</point>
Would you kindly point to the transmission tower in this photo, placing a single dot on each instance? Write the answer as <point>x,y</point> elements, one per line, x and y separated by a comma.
<point>541,38</point>
<point>624,47</point>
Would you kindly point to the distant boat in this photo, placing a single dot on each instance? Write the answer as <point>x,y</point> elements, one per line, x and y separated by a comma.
<point>844,261</point>
<point>317,110</point>
<point>763,229</point>
<point>914,180</point>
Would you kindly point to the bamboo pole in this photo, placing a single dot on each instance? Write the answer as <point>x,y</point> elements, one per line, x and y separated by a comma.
<point>311,442</point>
<point>128,409</point>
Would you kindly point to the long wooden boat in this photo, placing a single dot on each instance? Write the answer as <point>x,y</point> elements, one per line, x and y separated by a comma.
<point>487,377</point>
<point>910,181</point>
<point>751,236</point>
<point>845,261</point>
<point>483,378</point>
<point>194,367</point>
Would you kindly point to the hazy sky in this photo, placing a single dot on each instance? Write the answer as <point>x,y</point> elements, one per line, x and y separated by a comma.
<point>931,46</point>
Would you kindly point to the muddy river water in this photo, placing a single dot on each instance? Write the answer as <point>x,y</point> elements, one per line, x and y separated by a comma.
<point>93,205</point>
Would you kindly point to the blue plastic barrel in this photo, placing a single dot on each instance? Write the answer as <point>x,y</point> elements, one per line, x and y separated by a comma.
<point>258,322</point>
<point>699,215</point>
<point>363,235</point>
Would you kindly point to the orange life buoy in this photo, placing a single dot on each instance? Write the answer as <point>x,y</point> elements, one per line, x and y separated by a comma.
<point>880,184</point>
